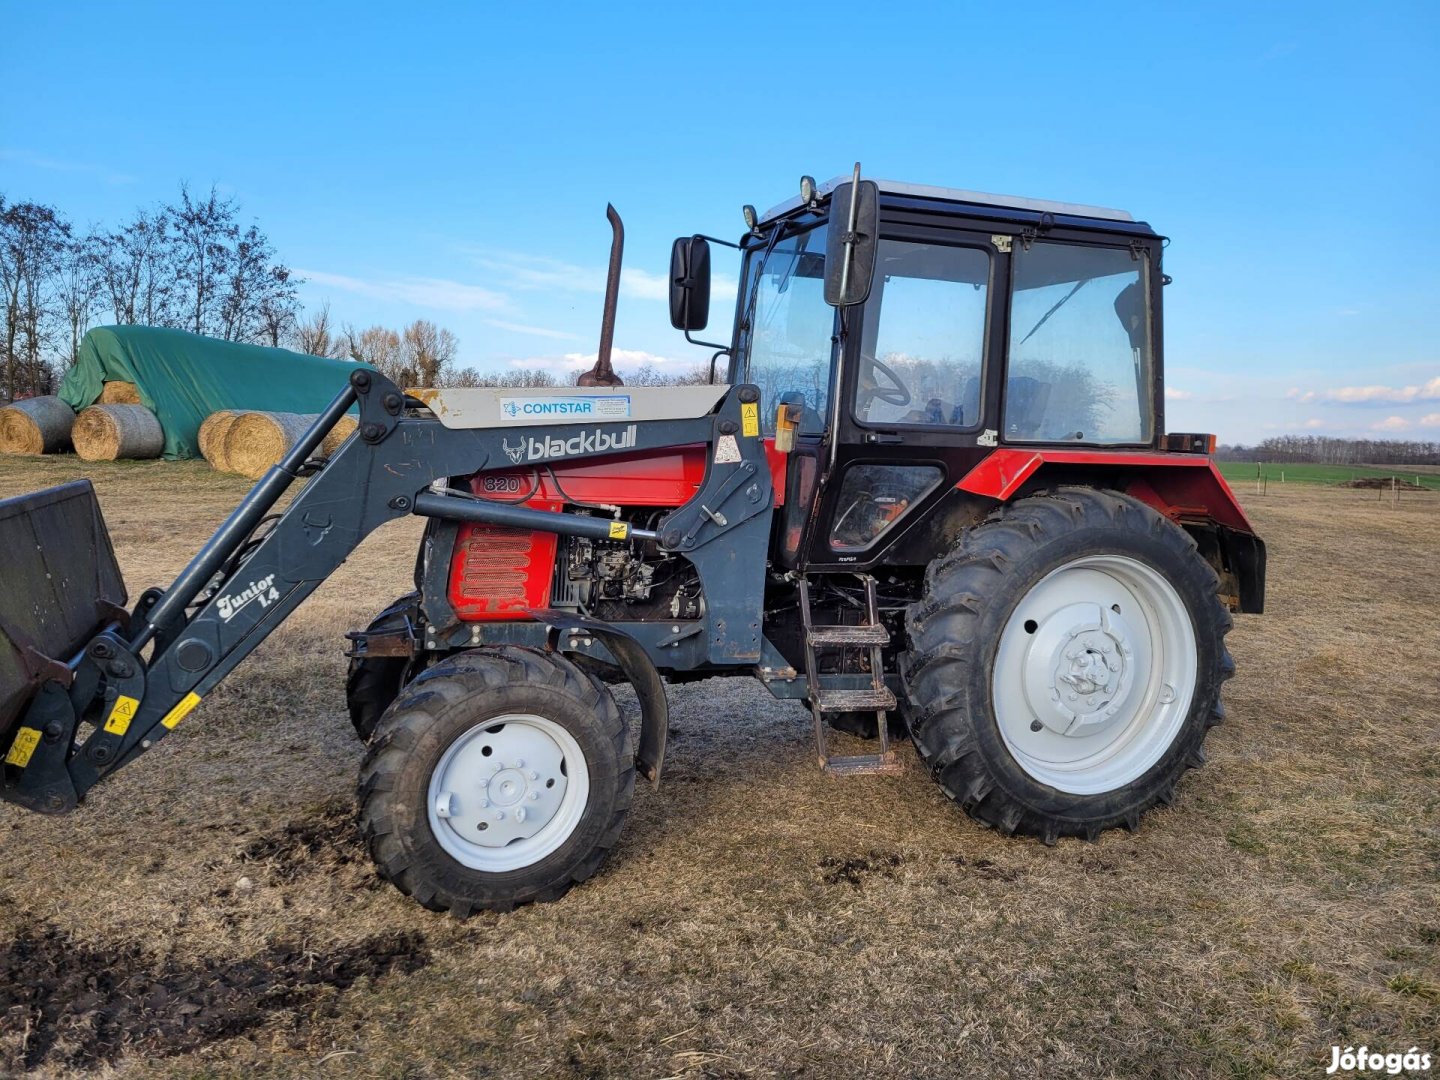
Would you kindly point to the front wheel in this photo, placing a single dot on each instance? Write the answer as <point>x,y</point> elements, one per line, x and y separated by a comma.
<point>498,777</point>
<point>1065,664</point>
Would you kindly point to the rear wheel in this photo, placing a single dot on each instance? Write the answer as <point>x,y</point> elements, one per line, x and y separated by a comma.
<point>372,682</point>
<point>1065,664</point>
<point>498,777</point>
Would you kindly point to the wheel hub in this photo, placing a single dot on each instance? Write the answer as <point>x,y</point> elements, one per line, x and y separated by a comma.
<point>501,785</point>
<point>1077,670</point>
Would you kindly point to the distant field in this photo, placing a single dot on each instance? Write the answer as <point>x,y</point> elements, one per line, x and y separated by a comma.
<point>1239,472</point>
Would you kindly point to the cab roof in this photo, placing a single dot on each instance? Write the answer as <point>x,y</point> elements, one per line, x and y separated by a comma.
<point>929,192</point>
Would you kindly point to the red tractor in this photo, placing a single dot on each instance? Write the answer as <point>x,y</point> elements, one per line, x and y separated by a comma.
<point>932,489</point>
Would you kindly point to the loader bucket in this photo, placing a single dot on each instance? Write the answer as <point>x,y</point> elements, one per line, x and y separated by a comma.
<point>59,584</point>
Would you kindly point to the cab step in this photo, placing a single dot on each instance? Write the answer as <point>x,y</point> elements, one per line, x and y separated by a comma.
<point>872,636</point>
<point>866,700</point>
<point>849,635</point>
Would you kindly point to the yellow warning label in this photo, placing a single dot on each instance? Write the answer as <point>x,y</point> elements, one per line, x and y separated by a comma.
<point>121,715</point>
<point>23,748</point>
<point>750,419</point>
<point>619,530</point>
<point>179,712</point>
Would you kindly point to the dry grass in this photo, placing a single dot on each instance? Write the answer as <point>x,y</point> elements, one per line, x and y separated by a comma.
<point>760,919</point>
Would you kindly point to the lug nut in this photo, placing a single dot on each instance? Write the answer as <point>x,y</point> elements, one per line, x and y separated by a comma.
<point>534,795</point>
<point>520,814</point>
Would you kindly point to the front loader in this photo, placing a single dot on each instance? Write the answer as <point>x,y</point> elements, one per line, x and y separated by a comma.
<point>932,493</point>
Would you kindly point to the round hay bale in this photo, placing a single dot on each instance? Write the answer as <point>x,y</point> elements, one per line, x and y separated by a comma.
<point>38,425</point>
<point>258,440</point>
<point>111,432</point>
<point>212,436</point>
<point>343,429</point>
<point>119,393</point>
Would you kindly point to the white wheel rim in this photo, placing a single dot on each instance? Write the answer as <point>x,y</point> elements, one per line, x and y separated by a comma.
<point>508,792</point>
<point>1095,674</point>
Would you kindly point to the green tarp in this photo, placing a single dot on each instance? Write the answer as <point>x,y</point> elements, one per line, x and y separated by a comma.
<point>182,378</point>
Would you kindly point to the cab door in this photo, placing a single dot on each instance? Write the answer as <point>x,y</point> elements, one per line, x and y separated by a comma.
<point>918,403</point>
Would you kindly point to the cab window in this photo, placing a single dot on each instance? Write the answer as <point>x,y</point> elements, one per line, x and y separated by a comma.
<point>1080,356</point>
<point>924,336</point>
<point>789,329</point>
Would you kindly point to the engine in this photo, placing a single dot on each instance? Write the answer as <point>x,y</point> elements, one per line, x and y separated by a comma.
<point>626,581</point>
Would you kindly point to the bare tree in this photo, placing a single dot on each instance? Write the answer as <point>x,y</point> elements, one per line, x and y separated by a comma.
<point>203,239</point>
<point>314,335</point>
<point>258,303</point>
<point>80,289</point>
<point>135,271</point>
<point>32,238</point>
<point>428,351</point>
<point>379,347</point>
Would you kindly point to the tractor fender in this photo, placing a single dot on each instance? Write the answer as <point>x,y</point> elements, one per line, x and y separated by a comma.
<point>1186,488</point>
<point>632,659</point>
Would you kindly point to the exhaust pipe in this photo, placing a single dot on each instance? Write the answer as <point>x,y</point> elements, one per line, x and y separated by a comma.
<point>602,374</point>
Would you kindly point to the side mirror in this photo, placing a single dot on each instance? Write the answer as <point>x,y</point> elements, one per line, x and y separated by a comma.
<point>851,247</point>
<point>690,283</point>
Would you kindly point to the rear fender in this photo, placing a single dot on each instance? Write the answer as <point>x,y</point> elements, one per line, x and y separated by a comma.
<point>1186,488</point>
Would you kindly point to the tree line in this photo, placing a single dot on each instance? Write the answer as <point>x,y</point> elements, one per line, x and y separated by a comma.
<point>192,264</point>
<point>1327,450</point>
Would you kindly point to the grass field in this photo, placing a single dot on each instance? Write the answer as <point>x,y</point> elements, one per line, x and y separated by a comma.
<point>209,911</point>
<point>1241,473</point>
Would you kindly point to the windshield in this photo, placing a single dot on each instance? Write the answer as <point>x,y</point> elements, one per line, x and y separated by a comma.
<point>787,329</point>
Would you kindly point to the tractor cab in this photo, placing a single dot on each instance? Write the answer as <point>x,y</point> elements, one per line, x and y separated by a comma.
<point>969,322</point>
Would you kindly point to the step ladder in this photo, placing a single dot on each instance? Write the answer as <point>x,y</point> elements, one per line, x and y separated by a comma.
<point>870,635</point>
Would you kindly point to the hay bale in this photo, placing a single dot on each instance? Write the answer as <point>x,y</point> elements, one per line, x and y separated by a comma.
<point>258,440</point>
<point>38,425</point>
<point>119,393</point>
<point>212,436</point>
<point>110,432</point>
<point>343,429</point>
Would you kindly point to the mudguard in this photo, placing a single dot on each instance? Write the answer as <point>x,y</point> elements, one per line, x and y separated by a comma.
<point>639,671</point>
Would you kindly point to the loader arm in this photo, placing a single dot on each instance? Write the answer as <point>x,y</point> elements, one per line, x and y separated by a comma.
<point>237,591</point>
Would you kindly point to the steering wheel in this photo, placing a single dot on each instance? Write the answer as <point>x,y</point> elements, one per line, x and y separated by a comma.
<point>897,393</point>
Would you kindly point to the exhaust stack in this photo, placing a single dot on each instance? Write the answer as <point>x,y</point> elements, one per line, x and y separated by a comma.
<point>602,374</point>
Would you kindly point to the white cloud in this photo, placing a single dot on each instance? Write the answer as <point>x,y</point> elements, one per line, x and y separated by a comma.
<point>1313,422</point>
<point>526,272</point>
<point>1391,423</point>
<point>1172,394</point>
<point>1382,395</point>
<point>40,161</point>
<point>1429,420</point>
<point>537,331</point>
<point>439,293</point>
<point>621,359</point>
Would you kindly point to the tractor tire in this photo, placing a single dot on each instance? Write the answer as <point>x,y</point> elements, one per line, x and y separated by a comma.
<point>1065,664</point>
<point>498,777</point>
<point>372,683</point>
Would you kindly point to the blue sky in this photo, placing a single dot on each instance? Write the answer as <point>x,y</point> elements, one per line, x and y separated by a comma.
<point>453,162</point>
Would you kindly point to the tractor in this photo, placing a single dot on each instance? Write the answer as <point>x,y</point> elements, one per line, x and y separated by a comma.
<point>927,490</point>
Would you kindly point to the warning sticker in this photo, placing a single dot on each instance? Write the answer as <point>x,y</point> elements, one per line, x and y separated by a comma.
<point>727,450</point>
<point>121,715</point>
<point>23,748</point>
<point>179,712</point>
<point>750,419</point>
<point>619,530</point>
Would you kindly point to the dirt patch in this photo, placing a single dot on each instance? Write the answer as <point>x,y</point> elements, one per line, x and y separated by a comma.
<point>839,870</point>
<point>988,869</point>
<point>325,840</point>
<point>66,1003</point>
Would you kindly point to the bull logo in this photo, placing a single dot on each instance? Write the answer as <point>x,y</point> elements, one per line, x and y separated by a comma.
<point>517,453</point>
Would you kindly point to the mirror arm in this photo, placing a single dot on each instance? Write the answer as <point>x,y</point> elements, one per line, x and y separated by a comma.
<point>713,359</point>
